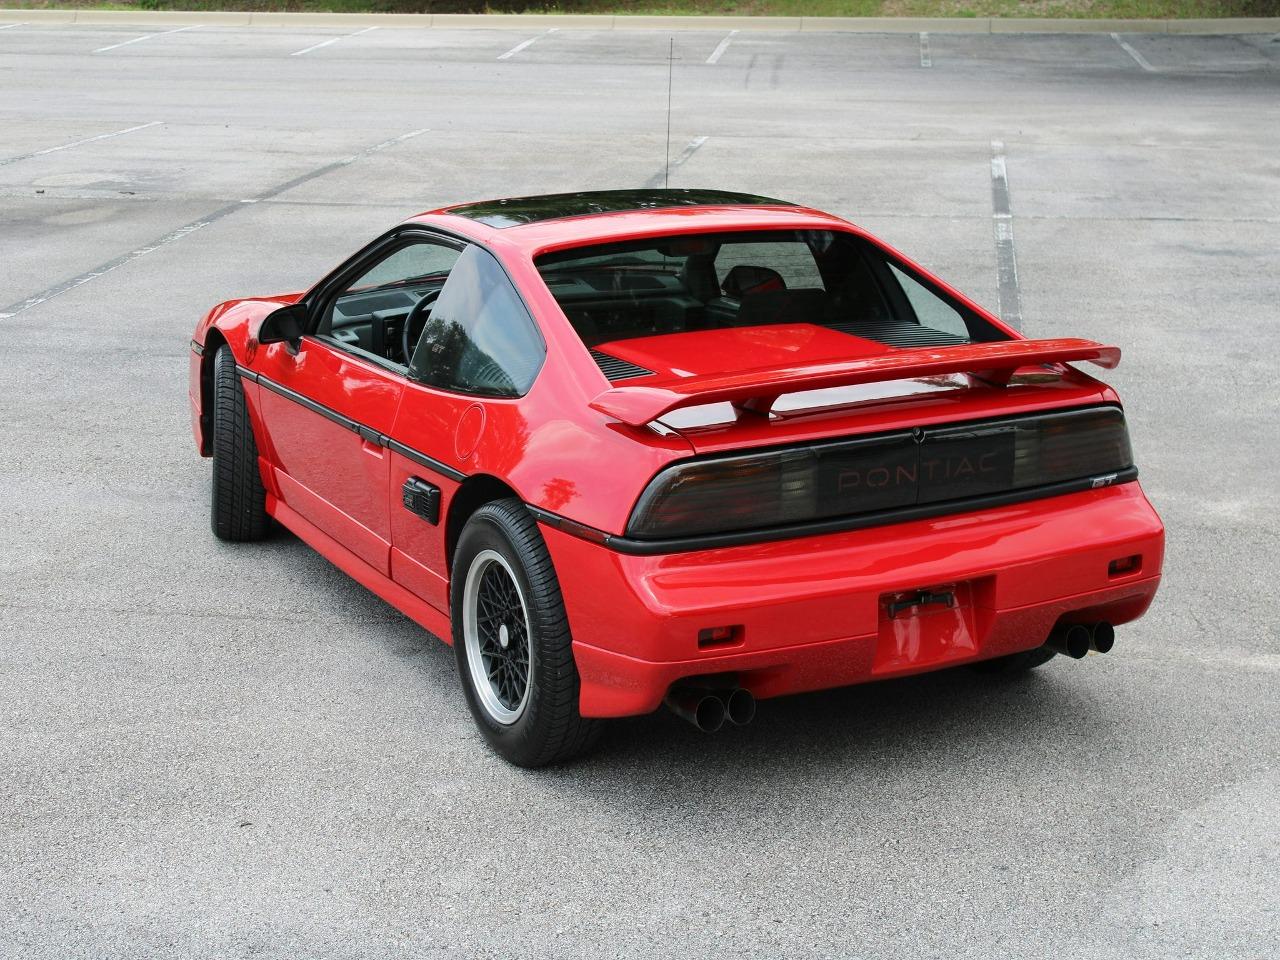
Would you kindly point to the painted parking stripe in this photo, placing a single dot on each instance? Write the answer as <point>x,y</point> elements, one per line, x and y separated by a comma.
<point>1139,58</point>
<point>1009,306</point>
<point>718,52</point>
<point>149,36</point>
<point>58,289</point>
<point>10,26</point>
<point>926,60</point>
<point>661,178</point>
<point>331,40</point>
<point>78,143</point>
<point>526,44</point>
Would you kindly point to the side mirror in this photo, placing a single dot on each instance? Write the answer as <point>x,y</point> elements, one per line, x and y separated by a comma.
<point>283,326</point>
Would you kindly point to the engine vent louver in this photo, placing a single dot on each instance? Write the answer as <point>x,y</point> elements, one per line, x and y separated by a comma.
<point>615,369</point>
<point>897,334</point>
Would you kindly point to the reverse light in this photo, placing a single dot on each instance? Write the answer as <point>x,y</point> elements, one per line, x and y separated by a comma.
<point>885,472</point>
<point>1125,566</point>
<point>719,636</point>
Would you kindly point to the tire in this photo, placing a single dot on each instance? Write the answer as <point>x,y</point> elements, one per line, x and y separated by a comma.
<point>238,506</point>
<point>1015,663</point>
<point>501,574</point>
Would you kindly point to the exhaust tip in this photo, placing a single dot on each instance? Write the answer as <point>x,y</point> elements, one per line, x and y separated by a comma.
<point>1102,637</point>
<point>709,714</point>
<point>740,707</point>
<point>702,708</point>
<point>1077,640</point>
<point>1072,641</point>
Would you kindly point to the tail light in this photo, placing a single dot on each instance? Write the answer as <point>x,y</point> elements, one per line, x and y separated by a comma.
<point>883,473</point>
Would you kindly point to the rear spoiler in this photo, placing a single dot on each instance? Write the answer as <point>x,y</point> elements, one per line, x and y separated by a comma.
<point>757,389</point>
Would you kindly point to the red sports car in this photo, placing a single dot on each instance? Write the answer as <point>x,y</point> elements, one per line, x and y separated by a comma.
<point>689,446</point>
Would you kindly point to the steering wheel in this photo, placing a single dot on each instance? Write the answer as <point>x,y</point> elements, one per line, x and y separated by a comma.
<point>417,318</point>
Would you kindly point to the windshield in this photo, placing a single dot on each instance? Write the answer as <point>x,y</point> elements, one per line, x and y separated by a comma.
<point>669,285</point>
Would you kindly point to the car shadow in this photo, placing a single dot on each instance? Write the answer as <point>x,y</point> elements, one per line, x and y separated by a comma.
<point>948,718</point>
<point>953,726</point>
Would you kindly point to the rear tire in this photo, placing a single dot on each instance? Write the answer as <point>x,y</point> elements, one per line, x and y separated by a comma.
<point>1015,663</point>
<point>511,640</point>
<point>238,508</point>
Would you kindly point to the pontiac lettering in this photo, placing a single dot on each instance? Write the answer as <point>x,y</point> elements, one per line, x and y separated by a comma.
<point>932,470</point>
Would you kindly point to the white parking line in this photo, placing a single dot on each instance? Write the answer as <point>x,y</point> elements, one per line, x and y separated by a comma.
<point>925,59</point>
<point>102,269</point>
<point>718,52</point>
<point>526,44</point>
<point>77,143</point>
<point>325,43</point>
<point>1009,292</point>
<point>689,151</point>
<point>1141,60</point>
<point>149,36</point>
<point>662,179</point>
<point>10,26</point>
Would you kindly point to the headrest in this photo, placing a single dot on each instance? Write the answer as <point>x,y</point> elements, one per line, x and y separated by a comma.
<point>745,280</point>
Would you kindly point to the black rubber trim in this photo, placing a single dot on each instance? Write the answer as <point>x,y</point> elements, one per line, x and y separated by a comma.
<point>736,538</point>
<point>579,530</point>
<point>395,446</point>
<point>365,433</point>
<point>303,401</point>
<point>197,348</point>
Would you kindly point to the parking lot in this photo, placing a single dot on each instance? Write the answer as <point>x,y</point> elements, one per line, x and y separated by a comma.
<point>215,750</point>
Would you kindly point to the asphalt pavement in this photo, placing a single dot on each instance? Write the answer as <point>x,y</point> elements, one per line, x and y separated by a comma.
<point>210,750</point>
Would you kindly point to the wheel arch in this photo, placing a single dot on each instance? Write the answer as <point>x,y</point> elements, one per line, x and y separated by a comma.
<point>474,492</point>
<point>213,342</point>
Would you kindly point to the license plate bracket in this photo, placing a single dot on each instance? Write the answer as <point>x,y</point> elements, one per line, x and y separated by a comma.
<point>928,626</point>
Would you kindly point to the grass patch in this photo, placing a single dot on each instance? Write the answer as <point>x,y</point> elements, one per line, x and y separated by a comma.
<point>1078,9</point>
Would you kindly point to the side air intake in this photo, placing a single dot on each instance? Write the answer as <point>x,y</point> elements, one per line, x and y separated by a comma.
<point>615,369</point>
<point>898,334</point>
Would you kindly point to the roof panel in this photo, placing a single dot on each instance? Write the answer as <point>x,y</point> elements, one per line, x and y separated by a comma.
<point>521,210</point>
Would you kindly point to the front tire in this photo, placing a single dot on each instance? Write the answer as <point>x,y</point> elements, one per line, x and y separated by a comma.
<point>511,640</point>
<point>238,508</point>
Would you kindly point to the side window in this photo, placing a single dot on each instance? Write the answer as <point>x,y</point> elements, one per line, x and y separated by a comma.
<point>930,309</point>
<point>371,313</point>
<point>479,337</point>
<point>790,259</point>
<point>420,259</point>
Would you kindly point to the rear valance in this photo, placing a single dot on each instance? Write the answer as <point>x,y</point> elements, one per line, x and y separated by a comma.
<point>759,388</point>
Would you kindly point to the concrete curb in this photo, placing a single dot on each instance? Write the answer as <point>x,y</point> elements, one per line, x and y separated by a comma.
<point>538,21</point>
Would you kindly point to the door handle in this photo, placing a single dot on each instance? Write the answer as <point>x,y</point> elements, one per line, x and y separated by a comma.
<point>371,440</point>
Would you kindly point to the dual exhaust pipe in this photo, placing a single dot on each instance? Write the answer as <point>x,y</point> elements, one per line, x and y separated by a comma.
<point>709,709</point>
<point>1074,640</point>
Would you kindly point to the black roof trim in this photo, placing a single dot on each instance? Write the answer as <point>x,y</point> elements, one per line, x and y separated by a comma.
<point>557,206</point>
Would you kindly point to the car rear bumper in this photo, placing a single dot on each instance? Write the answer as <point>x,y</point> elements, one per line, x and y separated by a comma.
<point>813,613</point>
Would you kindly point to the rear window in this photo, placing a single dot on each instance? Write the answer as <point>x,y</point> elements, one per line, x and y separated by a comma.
<point>668,285</point>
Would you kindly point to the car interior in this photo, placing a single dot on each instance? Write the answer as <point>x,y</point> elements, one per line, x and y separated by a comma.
<point>384,321</point>
<point>673,285</point>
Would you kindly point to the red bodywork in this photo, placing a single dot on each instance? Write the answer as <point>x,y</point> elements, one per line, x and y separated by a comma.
<point>807,612</point>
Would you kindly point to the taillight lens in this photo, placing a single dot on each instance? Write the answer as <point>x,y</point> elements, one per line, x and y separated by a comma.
<point>775,488</point>
<point>885,472</point>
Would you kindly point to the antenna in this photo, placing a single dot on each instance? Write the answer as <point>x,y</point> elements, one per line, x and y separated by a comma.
<point>666,167</point>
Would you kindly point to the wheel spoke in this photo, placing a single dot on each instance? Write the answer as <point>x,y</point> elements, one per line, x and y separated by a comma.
<point>497,614</point>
